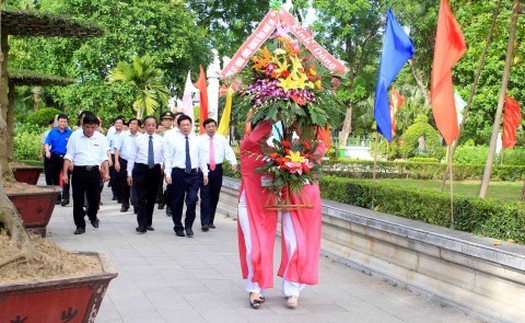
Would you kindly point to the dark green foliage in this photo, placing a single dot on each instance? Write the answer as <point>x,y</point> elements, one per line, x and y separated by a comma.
<point>41,117</point>
<point>491,218</point>
<point>411,137</point>
<point>419,170</point>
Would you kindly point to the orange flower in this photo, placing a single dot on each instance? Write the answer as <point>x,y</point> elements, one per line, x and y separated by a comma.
<point>286,144</point>
<point>297,99</point>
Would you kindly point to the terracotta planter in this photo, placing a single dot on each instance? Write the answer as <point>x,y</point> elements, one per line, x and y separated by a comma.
<point>35,208</point>
<point>27,174</point>
<point>56,300</point>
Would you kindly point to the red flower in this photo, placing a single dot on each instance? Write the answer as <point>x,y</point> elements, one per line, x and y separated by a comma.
<point>286,144</point>
<point>285,74</point>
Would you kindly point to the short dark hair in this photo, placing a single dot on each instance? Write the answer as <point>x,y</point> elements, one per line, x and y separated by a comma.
<point>63,116</point>
<point>52,121</point>
<point>178,113</point>
<point>134,119</point>
<point>82,114</point>
<point>209,120</point>
<point>182,118</point>
<point>90,119</point>
<point>120,117</point>
<point>149,117</point>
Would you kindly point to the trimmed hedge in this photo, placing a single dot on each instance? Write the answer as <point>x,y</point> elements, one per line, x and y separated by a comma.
<point>418,170</point>
<point>483,217</point>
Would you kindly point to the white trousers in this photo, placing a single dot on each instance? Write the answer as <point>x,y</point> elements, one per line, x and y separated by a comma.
<point>288,288</point>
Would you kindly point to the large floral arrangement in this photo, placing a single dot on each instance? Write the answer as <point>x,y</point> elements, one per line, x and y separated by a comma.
<point>285,83</point>
<point>291,165</point>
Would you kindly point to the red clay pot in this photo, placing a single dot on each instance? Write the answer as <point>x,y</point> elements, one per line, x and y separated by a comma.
<point>27,174</point>
<point>71,300</point>
<point>35,208</point>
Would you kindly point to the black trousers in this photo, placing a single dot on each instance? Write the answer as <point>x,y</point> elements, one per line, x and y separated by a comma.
<point>184,188</point>
<point>47,171</point>
<point>210,194</point>
<point>161,198</point>
<point>122,182</point>
<point>146,183</point>
<point>114,179</point>
<point>56,163</point>
<point>85,181</point>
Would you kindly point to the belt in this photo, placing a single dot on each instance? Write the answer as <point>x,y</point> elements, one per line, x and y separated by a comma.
<point>193,170</point>
<point>59,155</point>
<point>88,168</point>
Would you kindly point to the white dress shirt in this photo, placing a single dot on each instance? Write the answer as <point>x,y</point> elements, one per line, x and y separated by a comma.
<point>124,144</point>
<point>175,153</point>
<point>84,151</point>
<point>113,137</point>
<point>221,148</point>
<point>139,151</point>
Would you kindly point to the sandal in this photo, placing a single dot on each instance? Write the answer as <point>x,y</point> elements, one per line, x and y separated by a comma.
<point>262,299</point>
<point>254,303</point>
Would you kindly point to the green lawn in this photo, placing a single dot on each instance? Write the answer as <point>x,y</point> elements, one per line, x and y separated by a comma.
<point>510,191</point>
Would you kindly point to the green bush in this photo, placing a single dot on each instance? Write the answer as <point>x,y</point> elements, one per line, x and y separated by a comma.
<point>474,155</point>
<point>27,141</point>
<point>485,217</point>
<point>41,117</point>
<point>422,159</point>
<point>410,140</point>
<point>515,156</point>
<point>418,170</point>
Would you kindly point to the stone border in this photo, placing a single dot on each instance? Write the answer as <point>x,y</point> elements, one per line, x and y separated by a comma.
<point>481,276</point>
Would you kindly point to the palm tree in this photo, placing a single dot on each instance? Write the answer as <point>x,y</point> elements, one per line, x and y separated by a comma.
<point>147,79</point>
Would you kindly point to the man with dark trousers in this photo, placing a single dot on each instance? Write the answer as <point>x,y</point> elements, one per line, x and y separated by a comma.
<point>56,147</point>
<point>113,137</point>
<point>166,123</point>
<point>144,170</point>
<point>87,151</point>
<point>182,158</point>
<point>215,150</point>
<point>122,154</point>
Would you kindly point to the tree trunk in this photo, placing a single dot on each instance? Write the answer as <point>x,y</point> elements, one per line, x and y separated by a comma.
<point>3,105</point>
<point>420,84</point>
<point>347,126</point>
<point>37,96</point>
<point>11,121</point>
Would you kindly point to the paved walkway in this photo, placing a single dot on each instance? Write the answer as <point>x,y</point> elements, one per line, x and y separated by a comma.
<point>164,278</point>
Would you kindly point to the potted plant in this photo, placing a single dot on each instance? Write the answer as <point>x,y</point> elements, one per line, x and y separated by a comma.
<point>27,174</point>
<point>35,204</point>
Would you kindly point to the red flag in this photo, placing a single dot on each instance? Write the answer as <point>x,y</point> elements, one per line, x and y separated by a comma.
<point>203,88</point>
<point>449,47</point>
<point>511,120</point>
<point>395,104</point>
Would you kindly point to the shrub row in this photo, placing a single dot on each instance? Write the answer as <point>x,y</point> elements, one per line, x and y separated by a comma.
<point>418,170</point>
<point>483,217</point>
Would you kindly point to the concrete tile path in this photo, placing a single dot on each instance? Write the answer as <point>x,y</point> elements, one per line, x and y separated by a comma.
<point>164,278</point>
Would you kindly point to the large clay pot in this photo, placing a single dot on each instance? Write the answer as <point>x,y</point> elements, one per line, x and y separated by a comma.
<point>27,174</point>
<point>56,300</point>
<point>35,208</point>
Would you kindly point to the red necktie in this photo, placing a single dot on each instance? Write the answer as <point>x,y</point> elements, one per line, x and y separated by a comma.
<point>212,155</point>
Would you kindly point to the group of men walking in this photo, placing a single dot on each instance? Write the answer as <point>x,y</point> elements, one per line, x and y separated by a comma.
<point>138,161</point>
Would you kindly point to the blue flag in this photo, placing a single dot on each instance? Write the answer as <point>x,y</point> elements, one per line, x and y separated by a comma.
<point>398,48</point>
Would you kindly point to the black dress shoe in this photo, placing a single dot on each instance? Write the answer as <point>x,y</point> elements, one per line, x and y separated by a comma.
<point>189,232</point>
<point>179,233</point>
<point>80,230</point>
<point>150,228</point>
<point>205,228</point>
<point>124,208</point>
<point>161,206</point>
<point>212,226</point>
<point>114,198</point>
<point>65,202</point>
<point>141,229</point>
<point>57,202</point>
<point>94,223</point>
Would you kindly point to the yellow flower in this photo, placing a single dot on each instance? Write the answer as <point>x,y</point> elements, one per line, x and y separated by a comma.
<point>279,51</point>
<point>295,157</point>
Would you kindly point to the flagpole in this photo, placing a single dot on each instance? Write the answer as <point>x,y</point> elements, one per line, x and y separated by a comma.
<point>508,62</point>
<point>472,90</point>
<point>375,158</point>
<point>452,223</point>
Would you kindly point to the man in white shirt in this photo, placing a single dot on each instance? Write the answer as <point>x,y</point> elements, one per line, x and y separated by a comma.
<point>87,151</point>
<point>113,137</point>
<point>144,169</point>
<point>123,148</point>
<point>215,149</point>
<point>182,159</point>
<point>167,136</point>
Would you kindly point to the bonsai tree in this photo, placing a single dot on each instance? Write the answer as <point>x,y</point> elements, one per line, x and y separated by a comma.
<point>423,138</point>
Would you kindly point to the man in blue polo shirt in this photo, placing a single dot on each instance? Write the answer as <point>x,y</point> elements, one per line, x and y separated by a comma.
<point>56,143</point>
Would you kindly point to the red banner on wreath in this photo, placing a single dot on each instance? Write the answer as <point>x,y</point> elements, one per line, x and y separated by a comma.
<point>263,32</point>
